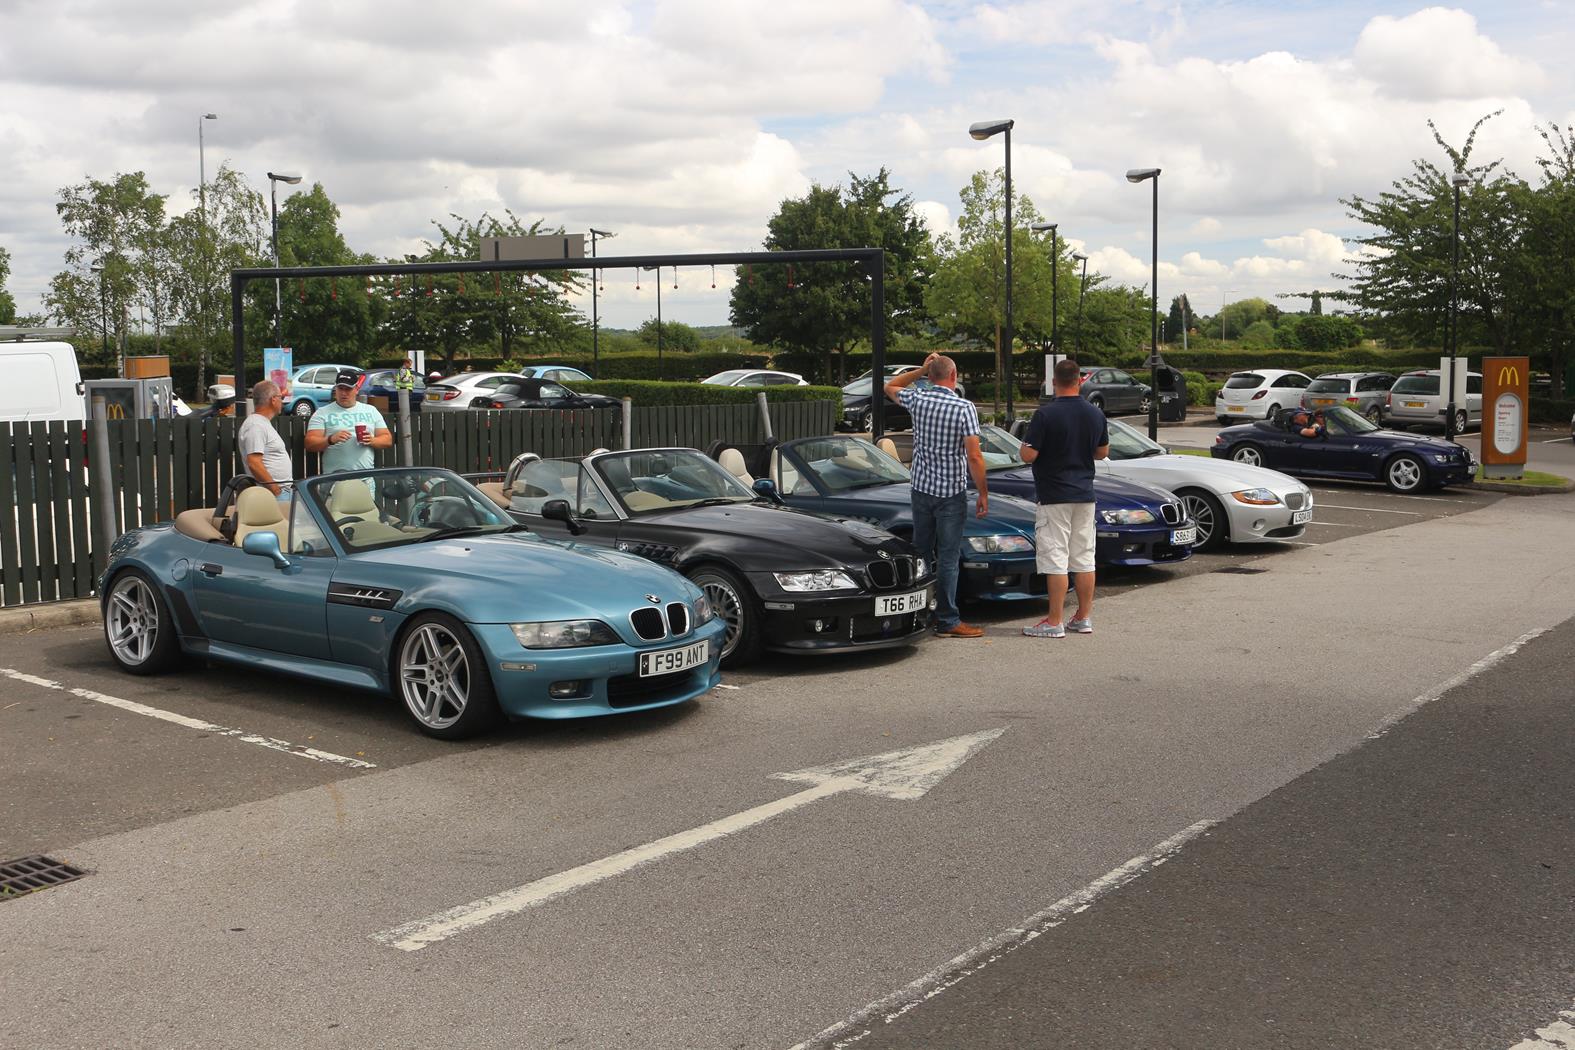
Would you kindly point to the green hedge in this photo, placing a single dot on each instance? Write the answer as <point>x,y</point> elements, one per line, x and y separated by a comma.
<point>1358,359</point>
<point>1552,410</point>
<point>647,393</point>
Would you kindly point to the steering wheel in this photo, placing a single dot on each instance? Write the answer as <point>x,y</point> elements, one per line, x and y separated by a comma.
<point>346,521</point>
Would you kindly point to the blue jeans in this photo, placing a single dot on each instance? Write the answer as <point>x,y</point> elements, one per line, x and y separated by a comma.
<point>938,534</point>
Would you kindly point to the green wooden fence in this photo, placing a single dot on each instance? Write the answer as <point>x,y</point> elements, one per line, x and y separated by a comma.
<point>159,468</point>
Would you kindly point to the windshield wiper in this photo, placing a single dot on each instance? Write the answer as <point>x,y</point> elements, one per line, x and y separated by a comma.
<point>471,530</point>
<point>1151,452</point>
<point>717,501</point>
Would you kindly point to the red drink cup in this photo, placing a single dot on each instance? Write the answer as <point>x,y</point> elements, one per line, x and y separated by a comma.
<point>360,432</point>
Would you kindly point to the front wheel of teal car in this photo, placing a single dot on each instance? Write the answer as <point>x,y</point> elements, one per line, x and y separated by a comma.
<point>137,626</point>
<point>443,679</point>
<point>736,606</point>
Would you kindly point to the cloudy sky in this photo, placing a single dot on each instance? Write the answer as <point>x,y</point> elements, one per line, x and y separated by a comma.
<point>680,124</point>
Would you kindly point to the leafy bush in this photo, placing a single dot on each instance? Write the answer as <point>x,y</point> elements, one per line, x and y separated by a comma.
<point>648,393</point>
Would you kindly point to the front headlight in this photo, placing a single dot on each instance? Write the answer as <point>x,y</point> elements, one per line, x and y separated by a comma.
<point>1126,517</point>
<point>1000,544</point>
<point>816,580</point>
<point>1256,497</point>
<point>563,634</point>
<point>1443,457</point>
<point>704,613</point>
<point>920,568</point>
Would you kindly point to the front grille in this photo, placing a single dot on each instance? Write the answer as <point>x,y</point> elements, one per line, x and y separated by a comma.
<point>630,690</point>
<point>34,873</point>
<point>1171,512</point>
<point>648,624</point>
<point>678,619</point>
<point>895,572</point>
<point>1296,500</point>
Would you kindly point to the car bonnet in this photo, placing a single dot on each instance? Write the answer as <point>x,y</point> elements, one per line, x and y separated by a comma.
<point>782,538</point>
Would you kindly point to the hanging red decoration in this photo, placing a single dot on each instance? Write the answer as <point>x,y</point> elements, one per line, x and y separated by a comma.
<point>333,289</point>
<point>396,286</point>
<point>790,277</point>
<point>368,284</point>
<point>749,274</point>
<point>461,284</point>
<point>497,284</point>
<point>302,286</point>
<point>429,286</point>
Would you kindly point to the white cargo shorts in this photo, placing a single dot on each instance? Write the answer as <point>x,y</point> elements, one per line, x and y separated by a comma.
<point>1064,538</point>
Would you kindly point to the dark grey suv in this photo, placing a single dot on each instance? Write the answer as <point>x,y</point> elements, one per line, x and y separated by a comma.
<point>1363,392</point>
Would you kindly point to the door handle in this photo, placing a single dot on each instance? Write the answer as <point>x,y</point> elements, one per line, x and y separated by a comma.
<point>210,569</point>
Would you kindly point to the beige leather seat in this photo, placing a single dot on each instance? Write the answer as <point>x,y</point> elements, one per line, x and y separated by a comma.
<point>493,490</point>
<point>200,524</point>
<point>732,461</point>
<point>888,446</point>
<point>352,499</point>
<point>639,500</point>
<point>257,510</point>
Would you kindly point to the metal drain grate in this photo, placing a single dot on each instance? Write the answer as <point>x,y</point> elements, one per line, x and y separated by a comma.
<point>18,877</point>
<point>1241,570</point>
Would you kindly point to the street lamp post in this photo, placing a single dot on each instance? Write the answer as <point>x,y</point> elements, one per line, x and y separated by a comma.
<point>278,298</point>
<point>103,306</point>
<point>596,356</point>
<point>202,210</point>
<point>661,373</point>
<point>1082,291</point>
<point>981,131</point>
<point>1460,180</point>
<point>1143,175</point>
<point>1055,298</point>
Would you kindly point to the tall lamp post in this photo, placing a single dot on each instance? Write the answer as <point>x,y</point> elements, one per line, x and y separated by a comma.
<point>596,356</point>
<point>1144,175</point>
<point>1055,298</point>
<point>278,299</point>
<point>202,211</point>
<point>1082,291</point>
<point>987,129</point>
<point>1460,180</point>
<point>103,305</point>
<point>661,373</point>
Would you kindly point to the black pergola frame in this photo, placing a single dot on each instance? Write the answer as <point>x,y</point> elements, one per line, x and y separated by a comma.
<point>873,258</point>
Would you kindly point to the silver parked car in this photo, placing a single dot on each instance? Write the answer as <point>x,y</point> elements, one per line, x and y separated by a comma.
<point>755,377</point>
<point>1366,393</point>
<point>1423,397</point>
<point>457,391</point>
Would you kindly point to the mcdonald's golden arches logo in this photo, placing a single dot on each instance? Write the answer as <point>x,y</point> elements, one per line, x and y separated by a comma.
<point>1508,375</point>
<point>115,410</point>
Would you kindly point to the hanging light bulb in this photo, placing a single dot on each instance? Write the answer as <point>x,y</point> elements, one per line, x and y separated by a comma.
<point>637,278</point>
<point>675,278</point>
<point>713,275</point>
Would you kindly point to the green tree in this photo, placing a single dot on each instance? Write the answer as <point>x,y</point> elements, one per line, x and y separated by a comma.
<point>1115,324</point>
<point>826,307</point>
<point>675,335</point>
<point>1541,281</point>
<point>1180,318</point>
<point>323,319</point>
<point>1235,318</point>
<point>7,301</point>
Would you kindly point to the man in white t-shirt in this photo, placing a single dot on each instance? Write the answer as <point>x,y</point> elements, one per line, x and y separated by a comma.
<point>346,431</point>
<point>263,451</point>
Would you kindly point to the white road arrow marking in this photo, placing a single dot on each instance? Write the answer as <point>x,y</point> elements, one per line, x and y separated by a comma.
<point>905,774</point>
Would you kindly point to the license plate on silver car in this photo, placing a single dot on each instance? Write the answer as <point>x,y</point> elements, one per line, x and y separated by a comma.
<point>901,604</point>
<point>1182,537</point>
<point>1301,517</point>
<point>671,661</point>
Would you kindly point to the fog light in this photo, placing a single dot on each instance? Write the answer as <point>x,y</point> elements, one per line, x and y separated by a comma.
<point>566,690</point>
<point>1130,548</point>
<point>1002,581</point>
<point>1258,525</point>
<point>821,626</point>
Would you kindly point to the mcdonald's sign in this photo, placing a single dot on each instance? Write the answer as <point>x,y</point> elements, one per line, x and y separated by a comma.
<point>1506,383</point>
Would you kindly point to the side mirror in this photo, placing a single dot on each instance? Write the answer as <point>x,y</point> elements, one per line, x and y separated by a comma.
<point>558,510</point>
<point>765,488</point>
<point>265,545</point>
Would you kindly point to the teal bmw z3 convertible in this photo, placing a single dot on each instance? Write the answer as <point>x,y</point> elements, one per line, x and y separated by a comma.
<point>412,582</point>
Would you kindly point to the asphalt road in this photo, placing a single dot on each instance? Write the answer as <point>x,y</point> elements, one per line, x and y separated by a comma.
<point>238,884</point>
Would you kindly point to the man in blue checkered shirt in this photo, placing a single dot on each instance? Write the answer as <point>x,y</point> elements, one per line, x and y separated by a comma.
<point>945,453</point>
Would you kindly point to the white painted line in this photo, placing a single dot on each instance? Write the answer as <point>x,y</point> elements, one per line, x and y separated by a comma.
<point>904,774</point>
<point>1335,525</point>
<point>1368,510</point>
<point>190,723</point>
<point>1560,1035</point>
<point>722,686</point>
<point>1553,441</point>
<point>1298,543</point>
<point>1490,660</point>
<point>893,1006</point>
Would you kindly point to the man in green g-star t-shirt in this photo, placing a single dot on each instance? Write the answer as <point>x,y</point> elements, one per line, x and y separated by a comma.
<point>332,430</point>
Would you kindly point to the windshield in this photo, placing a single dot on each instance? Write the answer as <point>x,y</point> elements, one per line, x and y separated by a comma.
<point>390,508</point>
<point>1427,385</point>
<point>862,384</point>
<point>1000,449</point>
<point>1326,385</point>
<point>1128,443</point>
<point>1341,420</point>
<point>726,378</point>
<point>1244,381</point>
<point>842,464</point>
<point>649,481</point>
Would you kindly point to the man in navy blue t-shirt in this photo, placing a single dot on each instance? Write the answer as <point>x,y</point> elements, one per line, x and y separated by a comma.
<point>1064,439</point>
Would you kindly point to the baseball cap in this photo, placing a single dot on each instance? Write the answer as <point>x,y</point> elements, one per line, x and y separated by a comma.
<point>347,377</point>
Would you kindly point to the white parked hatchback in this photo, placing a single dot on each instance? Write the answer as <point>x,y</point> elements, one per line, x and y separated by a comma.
<point>1263,393</point>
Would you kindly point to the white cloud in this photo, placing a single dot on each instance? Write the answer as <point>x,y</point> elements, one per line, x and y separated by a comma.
<point>1438,53</point>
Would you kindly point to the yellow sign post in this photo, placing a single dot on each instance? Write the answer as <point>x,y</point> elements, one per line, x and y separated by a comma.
<point>1506,414</point>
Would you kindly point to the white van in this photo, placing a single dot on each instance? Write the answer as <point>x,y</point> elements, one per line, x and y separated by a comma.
<point>1419,397</point>
<point>39,379</point>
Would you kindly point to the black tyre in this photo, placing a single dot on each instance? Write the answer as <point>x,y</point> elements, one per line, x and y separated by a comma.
<point>1461,421</point>
<point>303,409</point>
<point>1375,415</point>
<point>1405,473</point>
<point>737,606</point>
<point>1251,455</point>
<point>1098,402</point>
<point>442,677</point>
<point>1145,404</point>
<point>138,627</point>
<point>1208,514</point>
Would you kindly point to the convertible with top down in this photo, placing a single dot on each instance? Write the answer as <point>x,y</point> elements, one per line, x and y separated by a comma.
<point>410,581</point>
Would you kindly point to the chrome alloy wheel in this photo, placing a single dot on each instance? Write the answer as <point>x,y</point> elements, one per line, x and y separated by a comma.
<point>1405,474</point>
<point>434,676</point>
<point>729,607</point>
<point>1248,455</point>
<point>133,620</point>
<point>1201,511</point>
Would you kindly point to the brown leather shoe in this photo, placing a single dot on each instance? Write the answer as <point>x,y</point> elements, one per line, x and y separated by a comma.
<point>961,630</point>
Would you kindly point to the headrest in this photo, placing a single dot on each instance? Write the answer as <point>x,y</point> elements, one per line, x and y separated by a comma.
<point>352,497</point>
<point>257,506</point>
<point>888,446</point>
<point>732,461</point>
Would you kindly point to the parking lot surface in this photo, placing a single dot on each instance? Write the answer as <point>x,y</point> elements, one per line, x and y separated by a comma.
<point>242,869</point>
